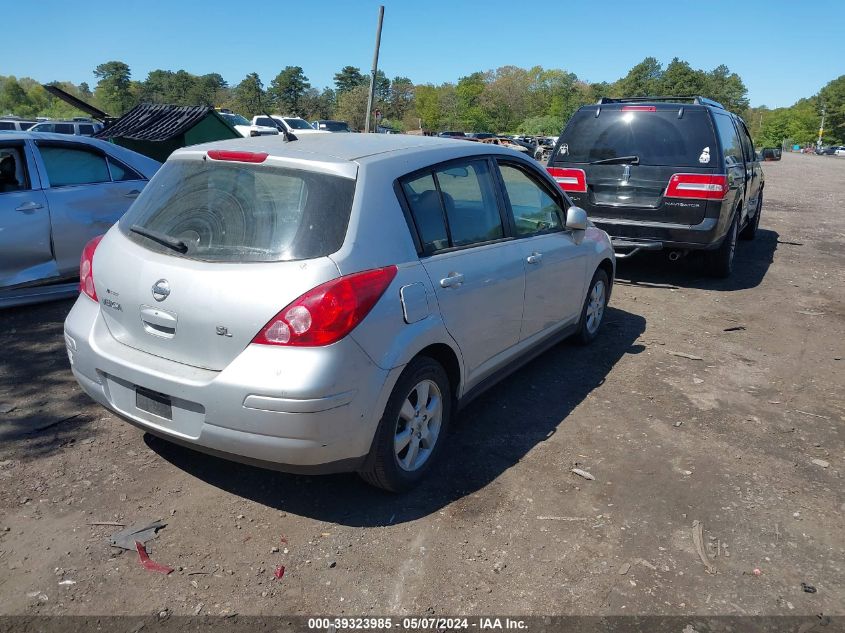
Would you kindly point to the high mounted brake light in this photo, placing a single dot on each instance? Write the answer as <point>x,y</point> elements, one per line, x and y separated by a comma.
<point>86,269</point>
<point>569,179</point>
<point>238,157</point>
<point>327,313</point>
<point>700,186</point>
<point>636,108</point>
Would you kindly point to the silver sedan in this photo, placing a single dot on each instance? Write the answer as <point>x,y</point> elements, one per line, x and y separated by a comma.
<point>327,304</point>
<point>56,193</point>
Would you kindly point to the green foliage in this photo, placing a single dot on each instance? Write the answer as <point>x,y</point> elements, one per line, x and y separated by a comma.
<point>113,88</point>
<point>287,90</point>
<point>352,106</point>
<point>546,125</point>
<point>348,78</point>
<point>832,96</point>
<point>248,96</point>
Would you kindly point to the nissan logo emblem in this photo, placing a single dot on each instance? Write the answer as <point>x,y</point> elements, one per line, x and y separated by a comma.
<point>161,290</point>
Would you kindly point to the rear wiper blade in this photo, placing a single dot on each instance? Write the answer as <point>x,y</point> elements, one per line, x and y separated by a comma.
<point>618,160</point>
<point>165,240</point>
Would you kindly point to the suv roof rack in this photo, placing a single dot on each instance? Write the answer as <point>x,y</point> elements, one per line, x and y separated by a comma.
<point>695,100</point>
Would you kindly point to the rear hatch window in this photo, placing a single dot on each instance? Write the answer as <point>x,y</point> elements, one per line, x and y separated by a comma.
<point>659,137</point>
<point>235,212</point>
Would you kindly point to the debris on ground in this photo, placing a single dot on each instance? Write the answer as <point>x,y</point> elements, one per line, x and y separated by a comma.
<point>583,473</point>
<point>808,588</point>
<point>280,571</point>
<point>684,355</point>
<point>736,328</point>
<point>148,564</point>
<point>554,518</point>
<point>698,541</point>
<point>624,569</point>
<point>757,571</point>
<point>678,423</point>
<point>66,583</point>
<point>821,462</point>
<point>139,532</point>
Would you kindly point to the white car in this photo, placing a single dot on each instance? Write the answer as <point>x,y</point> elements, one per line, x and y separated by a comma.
<point>840,152</point>
<point>245,128</point>
<point>294,124</point>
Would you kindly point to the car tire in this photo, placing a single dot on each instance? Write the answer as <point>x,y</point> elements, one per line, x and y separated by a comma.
<point>595,305</point>
<point>750,230</point>
<point>720,262</point>
<point>397,467</point>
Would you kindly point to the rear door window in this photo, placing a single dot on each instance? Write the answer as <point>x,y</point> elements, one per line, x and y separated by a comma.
<point>230,212</point>
<point>13,174</point>
<point>731,146</point>
<point>427,210</point>
<point>470,202</point>
<point>63,128</point>
<point>67,166</point>
<point>121,172</point>
<point>658,138</point>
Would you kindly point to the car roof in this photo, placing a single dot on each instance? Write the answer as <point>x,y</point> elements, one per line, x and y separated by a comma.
<point>52,136</point>
<point>337,147</point>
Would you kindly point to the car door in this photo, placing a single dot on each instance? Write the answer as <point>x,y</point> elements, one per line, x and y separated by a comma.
<point>88,191</point>
<point>25,247</point>
<point>474,266</point>
<point>734,161</point>
<point>754,173</point>
<point>555,264</point>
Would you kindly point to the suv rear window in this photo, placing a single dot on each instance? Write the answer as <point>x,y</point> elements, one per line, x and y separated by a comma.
<point>657,138</point>
<point>231,212</point>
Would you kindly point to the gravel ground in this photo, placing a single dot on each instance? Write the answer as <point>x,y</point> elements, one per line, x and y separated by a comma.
<point>504,526</point>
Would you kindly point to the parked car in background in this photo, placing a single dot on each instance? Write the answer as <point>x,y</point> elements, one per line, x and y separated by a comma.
<point>331,126</point>
<point>452,134</point>
<point>480,135</point>
<point>675,174</point>
<point>245,128</point>
<point>544,147</point>
<point>504,141</point>
<point>772,153</point>
<point>391,279</point>
<point>829,150</point>
<point>839,151</point>
<point>75,127</point>
<point>293,124</point>
<point>56,193</point>
<point>15,124</point>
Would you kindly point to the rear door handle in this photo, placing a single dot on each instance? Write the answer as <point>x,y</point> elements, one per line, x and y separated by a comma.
<point>534,258</point>
<point>26,207</point>
<point>132,194</point>
<point>452,281</point>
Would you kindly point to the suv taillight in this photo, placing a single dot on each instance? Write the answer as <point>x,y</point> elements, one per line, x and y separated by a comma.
<point>701,186</point>
<point>327,313</point>
<point>86,268</point>
<point>569,179</point>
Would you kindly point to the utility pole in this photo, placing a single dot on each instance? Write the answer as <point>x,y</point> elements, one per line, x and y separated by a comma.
<point>375,70</point>
<point>821,129</point>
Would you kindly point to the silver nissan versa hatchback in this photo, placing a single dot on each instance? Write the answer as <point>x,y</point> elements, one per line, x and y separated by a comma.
<point>326,304</point>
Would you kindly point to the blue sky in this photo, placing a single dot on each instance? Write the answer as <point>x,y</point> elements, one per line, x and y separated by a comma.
<point>782,50</point>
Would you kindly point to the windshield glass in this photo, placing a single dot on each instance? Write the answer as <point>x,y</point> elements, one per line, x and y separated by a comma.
<point>232,212</point>
<point>334,126</point>
<point>298,124</point>
<point>235,119</point>
<point>657,138</point>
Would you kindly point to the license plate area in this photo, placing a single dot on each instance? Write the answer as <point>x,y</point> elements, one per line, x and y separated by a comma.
<point>153,402</point>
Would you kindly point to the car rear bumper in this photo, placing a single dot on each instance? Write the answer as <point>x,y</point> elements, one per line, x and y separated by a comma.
<point>659,235</point>
<point>233,413</point>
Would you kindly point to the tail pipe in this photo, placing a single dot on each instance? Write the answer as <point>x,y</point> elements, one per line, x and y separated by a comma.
<point>676,255</point>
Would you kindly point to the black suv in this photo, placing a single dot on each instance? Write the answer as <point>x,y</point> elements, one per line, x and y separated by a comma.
<point>675,173</point>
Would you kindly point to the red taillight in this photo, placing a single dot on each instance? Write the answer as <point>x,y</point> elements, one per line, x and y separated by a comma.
<point>239,157</point>
<point>327,313</point>
<point>569,179</point>
<point>86,268</point>
<point>639,109</point>
<point>701,186</point>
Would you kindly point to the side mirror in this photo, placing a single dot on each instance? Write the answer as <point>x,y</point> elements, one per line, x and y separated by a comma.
<point>576,219</point>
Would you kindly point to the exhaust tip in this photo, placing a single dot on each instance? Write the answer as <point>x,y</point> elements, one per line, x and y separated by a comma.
<point>674,256</point>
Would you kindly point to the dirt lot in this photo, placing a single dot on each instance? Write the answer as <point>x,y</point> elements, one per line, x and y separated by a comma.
<point>504,527</point>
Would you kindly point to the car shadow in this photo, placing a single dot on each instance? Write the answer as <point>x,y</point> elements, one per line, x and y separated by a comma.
<point>490,436</point>
<point>751,262</point>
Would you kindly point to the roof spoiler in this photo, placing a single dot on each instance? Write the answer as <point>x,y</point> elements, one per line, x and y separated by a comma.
<point>694,100</point>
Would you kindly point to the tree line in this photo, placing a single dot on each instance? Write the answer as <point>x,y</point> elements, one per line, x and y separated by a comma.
<point>507,99</point>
